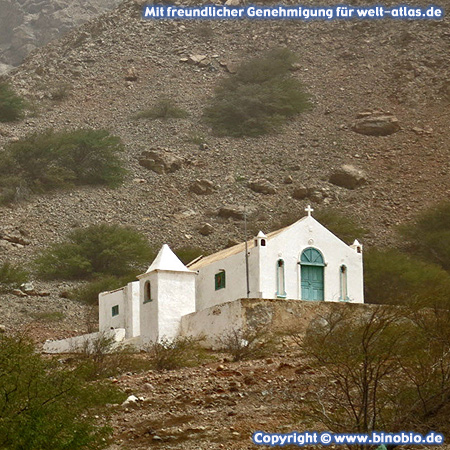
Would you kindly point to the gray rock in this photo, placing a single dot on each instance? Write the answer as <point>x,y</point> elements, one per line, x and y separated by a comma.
<point>235,212</point>
<point>262,187</point>
<point>206,229</point>
<point>202,187</point>
<point>300,192</point>
<point>160,161</point>
<point>376,124</point>
<point>348,177</point>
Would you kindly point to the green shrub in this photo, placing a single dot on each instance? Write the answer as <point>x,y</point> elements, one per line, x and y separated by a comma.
<point>344,226</point>
<point>11,276</point>
<point>94,251</point>
<point>89,293</point>
<point>51,160</point>
<point>177,353</point>
<point>46,406</point>
<point>258,99</point>
<point>188,254</point>
<point>11,105</point>
<point>164,108</point>
<point>391,277</point>
<point>248,344</point>
<point>54,316</point>
<point>428,235</point>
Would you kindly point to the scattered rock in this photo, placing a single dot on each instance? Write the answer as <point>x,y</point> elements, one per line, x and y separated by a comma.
<point>288,180</point>
<point>206,229</point>
<point>262,187</point>
<point>375,123</point>
<point>131,74</point>
<point>202,187</point>
<point>196,59</point>
<point>2,329</point>
<point>235,212</point>
<point>348,177</point>
<point>300,192</point>
<point>14,236</point>
<point>18,293</point>
<point>28,288</point>
<point>130,400</point>
<point>160,161</point>
<point>422,131</point>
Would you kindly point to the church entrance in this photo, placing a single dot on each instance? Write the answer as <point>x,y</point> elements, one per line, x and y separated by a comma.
<point>311,274</point>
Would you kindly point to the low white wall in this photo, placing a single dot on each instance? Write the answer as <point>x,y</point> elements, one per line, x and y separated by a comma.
<point>78,344</point>
<point>213,323</point>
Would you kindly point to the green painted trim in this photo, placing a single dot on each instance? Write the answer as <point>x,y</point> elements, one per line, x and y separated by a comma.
<point>220,280</point>
<point>314,250</point>
<point>148,301</point>
<point>115,310</point>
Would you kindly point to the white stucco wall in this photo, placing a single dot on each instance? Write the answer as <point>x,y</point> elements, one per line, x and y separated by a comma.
<point>289,246</point>
<point>82,343</point>
<point>106,300</point>
<point>213,323</point>
<point>132,309</point>
<point>149,310</point>
<point>235,280</point>
<point>176,298</point>
<point>173,296</point>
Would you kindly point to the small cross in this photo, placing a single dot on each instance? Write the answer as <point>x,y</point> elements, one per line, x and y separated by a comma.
<point>309,210</point>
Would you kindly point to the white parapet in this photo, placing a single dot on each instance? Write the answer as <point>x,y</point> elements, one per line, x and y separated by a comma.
<point>86,342</point>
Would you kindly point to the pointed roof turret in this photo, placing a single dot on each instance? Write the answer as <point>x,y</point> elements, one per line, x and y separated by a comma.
<point>167,260</point>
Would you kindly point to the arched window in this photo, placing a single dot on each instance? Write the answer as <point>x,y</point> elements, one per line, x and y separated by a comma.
<point>147,292</point>
<point>343,282</point>
<point>281,282</point>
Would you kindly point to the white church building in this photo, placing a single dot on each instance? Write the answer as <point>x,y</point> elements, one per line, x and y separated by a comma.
<point>303,261</point>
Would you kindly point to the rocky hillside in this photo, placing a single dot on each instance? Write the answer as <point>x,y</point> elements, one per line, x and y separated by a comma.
<point>28,24</point>
<point>362,75</point>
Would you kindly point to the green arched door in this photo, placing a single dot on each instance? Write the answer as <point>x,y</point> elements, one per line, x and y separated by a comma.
<point>311,274</point>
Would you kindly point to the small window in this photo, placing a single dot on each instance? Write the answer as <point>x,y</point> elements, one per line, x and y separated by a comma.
<point>219,279</point>
<point>115,310</point>
<point>147,292</point>
<point>281,284</point>
<point>263,242</point>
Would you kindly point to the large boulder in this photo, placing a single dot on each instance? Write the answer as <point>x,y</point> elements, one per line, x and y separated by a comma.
<point>160,161</point>
<point>376,124</point>
<point>233,211</point>
<point>300,192</point>
<point>202,187</point>
<point>348,176</point>
<point>262,187</point>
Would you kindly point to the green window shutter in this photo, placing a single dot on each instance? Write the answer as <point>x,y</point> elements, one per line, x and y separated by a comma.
<point>115,310</point>
<point>219,279</point>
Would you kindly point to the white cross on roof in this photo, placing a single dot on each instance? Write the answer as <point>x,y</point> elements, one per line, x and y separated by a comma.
<point>309,210</point>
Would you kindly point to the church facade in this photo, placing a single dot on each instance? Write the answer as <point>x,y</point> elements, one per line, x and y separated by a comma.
<point>303,261</point>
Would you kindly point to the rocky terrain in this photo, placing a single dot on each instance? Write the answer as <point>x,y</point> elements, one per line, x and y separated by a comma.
<point>28,24</point>
<point>380,94</point>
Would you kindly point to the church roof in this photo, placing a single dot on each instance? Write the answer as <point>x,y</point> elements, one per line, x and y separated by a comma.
<point>167,260</point>
<point>235,249</point>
